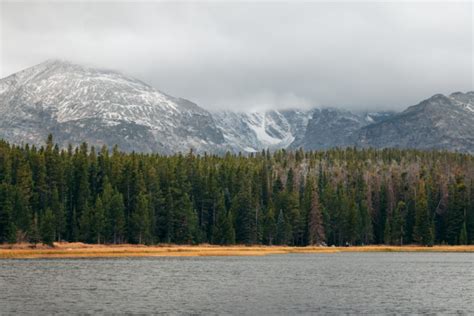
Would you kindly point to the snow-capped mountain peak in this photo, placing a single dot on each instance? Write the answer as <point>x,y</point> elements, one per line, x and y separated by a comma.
<point>61,92</point>
<point>76,92</point>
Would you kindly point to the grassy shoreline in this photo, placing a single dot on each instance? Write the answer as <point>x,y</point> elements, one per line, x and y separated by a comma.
<point>80,250</point>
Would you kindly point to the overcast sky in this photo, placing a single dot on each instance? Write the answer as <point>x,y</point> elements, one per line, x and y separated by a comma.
<point>357,55</point>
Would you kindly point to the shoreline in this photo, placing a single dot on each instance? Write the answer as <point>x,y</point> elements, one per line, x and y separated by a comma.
<point>81,250</point>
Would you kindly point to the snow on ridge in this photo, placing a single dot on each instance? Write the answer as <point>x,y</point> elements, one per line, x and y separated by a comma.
<point>58,92</point>
<point>74,92</point>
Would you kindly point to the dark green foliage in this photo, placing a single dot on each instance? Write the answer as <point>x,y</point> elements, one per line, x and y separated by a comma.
<point>86,220</point>
<point>397,224</point>
<point>98,220</point>
<point>269,226</point>
<point>456,220</point>
<point>339,196</point>
<point>116,219</point>
<point>34,233</point>
<point>48,227</point>
<point>141,221</point>
<point>244,211</point>
<point>59,215</point>
<point>223,231</point>
<point>470,216</point>
<point>7,223</point>
<point>283,230</point>
<point>463,235</point>
<point>423,232</point>
<point>316,233</point>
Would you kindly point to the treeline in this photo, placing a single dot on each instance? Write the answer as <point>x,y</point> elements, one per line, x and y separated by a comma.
<point>334,197</point>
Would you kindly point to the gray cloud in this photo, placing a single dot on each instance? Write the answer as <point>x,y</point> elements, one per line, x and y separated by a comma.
<point>256,55</point>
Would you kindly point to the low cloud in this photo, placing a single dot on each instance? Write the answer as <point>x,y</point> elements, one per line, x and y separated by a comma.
<point>256,55</point>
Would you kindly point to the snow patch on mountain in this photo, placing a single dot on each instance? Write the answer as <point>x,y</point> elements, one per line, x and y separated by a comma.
<point>254,131</point>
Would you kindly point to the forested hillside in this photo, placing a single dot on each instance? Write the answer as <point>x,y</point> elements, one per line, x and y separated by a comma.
<point>339,196</point>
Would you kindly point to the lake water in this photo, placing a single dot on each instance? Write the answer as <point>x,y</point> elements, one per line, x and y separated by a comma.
<point>355,283</point>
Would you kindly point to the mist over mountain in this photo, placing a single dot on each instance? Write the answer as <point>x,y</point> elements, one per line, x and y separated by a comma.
<point>102,107</point>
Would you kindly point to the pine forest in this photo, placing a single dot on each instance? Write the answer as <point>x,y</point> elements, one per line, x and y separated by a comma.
<point>335,197</point>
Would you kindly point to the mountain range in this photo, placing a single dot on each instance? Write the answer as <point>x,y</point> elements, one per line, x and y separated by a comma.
<point>76,103</point>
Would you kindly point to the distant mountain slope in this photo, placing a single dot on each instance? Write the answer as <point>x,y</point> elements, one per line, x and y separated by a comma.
<point>103,107</point>
<point>79,104</point>
<point>439,122</point>
<point>330,127</point>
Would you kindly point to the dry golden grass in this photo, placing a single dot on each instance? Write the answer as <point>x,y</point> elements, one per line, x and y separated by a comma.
<point>80,250</point>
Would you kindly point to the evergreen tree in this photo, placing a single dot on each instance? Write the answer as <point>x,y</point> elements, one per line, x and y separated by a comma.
<point>59,214</point>
<point>245,220</point>
<point>40,187</point>
<point>185,221</point>
<point>141,221</point>
<point>20,216</point>
<point>47,227</point>
<point>387,233</point>
<point>290,184</point>
<point>470,216</point>
<point>270,228</point>
<point>224,233</point>
<point>24,185</point>
<point>81,190</point>
<point>98,220</point>
<point>34,232</point>
<point>74,230</point>
<point>86,223</point>
<point>281,233</point>
<point>397,225</point>
<point>365,222</point>
<point>7,225</point>
<point>316,234</point>
<point>423,225</point>
<point>106,198</point>
<point>457,211</point>
<point>117,218</point>
<point>463,235</point>
<point>352,222</point>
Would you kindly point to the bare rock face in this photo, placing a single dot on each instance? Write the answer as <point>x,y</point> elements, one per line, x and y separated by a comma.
<point>102,107</point>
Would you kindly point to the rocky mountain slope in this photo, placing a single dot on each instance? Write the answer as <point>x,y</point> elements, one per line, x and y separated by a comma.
<point>331,127</point>
<point>102,107</point>
<point>440,122</point>
<point>78,104</point>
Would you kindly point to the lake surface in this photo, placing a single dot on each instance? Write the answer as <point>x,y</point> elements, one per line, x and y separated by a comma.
<point>355,283</point>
